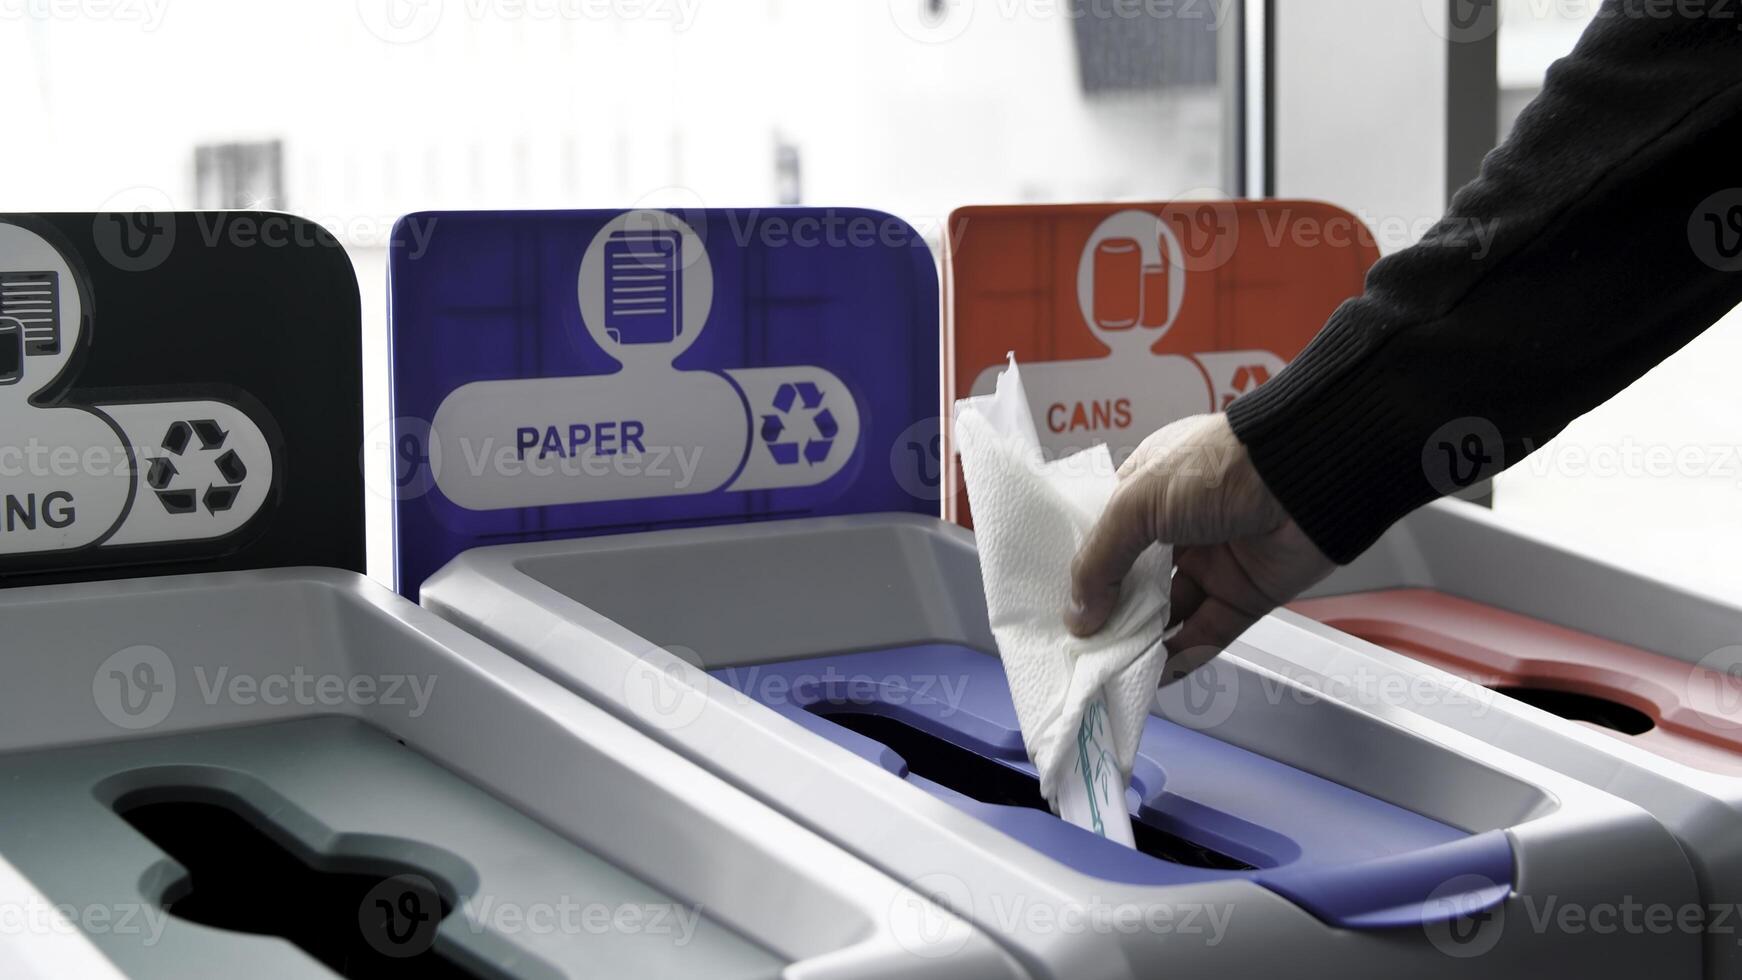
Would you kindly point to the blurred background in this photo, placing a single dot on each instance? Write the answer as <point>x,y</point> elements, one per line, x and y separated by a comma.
<point>353,112</point>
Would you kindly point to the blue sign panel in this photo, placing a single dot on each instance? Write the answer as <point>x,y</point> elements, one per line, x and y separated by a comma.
<point>570,373</point>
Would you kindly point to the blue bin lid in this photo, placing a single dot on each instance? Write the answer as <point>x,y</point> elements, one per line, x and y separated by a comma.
<point>1350,859</point>
<point>572,373</point>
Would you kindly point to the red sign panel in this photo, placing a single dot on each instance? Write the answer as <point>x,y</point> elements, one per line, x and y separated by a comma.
<point>1128,316</point>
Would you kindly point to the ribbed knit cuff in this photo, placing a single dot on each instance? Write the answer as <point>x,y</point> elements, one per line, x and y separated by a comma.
<point>1339,437</point>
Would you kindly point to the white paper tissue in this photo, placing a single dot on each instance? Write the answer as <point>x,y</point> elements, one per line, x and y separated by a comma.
<point>1030,517</point>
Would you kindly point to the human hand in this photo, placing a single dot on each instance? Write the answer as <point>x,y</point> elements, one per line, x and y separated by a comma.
<point>1237,554</point>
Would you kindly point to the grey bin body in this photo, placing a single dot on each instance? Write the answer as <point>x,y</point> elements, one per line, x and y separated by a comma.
<point>510,798</point>
<point>1474,553</point>
<point>586,613</point>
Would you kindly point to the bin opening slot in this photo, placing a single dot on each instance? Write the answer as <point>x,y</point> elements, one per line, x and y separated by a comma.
<point>363,918</point>
<point>1577,706</point>
<point>990,781</point>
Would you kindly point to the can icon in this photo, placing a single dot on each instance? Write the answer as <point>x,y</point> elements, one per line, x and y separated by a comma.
<point>1118,283</point>
<point>1156,301</point>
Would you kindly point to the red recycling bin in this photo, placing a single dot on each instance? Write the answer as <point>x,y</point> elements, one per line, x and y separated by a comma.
<point>1675,709</point>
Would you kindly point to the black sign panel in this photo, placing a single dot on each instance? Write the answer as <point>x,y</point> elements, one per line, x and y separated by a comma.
<point>178,393</point>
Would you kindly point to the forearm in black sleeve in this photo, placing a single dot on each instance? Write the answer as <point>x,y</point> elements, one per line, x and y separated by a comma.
<point>1590,248</point>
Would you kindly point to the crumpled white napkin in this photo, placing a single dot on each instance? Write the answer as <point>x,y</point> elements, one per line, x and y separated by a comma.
<point>1030,517</point>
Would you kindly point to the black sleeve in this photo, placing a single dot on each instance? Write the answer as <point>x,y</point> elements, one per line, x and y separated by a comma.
<point>1598,239</point>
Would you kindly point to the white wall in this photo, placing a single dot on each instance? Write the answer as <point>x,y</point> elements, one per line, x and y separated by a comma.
<point>560,103</point>
<point>1360,119</point>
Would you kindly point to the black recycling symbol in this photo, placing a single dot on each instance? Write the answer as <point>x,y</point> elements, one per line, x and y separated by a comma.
<point>783,437</point>
<point>180,492</point>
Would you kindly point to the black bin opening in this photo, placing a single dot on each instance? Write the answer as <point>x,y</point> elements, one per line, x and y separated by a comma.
<point>362,918</point>
<point>990,781</point>
<point>1574,706</point>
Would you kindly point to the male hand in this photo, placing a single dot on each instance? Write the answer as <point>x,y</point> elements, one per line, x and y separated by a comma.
<point>1237,553</point>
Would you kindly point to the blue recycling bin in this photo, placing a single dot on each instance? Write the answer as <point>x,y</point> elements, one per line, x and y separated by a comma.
<point>782,604</point>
